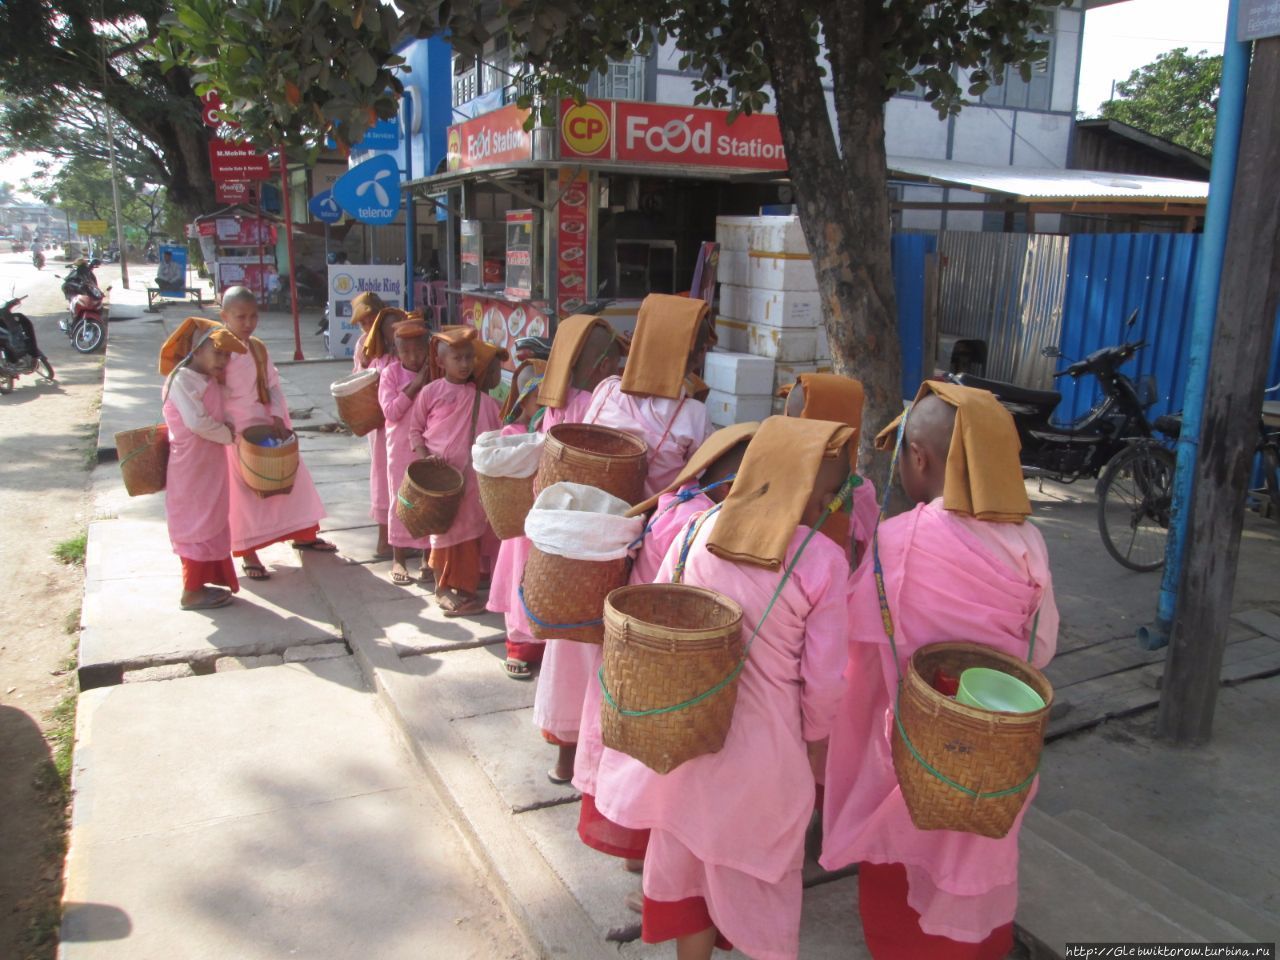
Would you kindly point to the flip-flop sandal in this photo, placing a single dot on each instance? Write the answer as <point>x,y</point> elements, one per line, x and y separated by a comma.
<point>634,901</point>
<point>401,579</point>
<point>255,571</point>
<point>210,598</point>
<point>467,608</point>
<point>517,669</point>
<point>558,781</point>
<point>318,545</point>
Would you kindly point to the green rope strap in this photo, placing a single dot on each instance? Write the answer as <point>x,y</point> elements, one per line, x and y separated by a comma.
<point>836,504</point>
<point>407,504</point>
<point>151,437</point>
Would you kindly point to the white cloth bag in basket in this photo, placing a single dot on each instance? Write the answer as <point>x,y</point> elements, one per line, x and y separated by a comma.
<point>516,455</point>
<point>581,522</point>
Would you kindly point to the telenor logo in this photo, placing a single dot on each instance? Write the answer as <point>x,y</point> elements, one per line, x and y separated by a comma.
<point>585,128</point>
<point>370,192</point>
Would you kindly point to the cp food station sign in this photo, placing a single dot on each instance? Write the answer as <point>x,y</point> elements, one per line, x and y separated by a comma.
<point>492,138</point>
<point>662,133</point>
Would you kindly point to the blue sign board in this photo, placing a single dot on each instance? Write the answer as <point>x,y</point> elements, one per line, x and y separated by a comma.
<point>370,192</point>
<point>324,208</point>
<point>383,135</point>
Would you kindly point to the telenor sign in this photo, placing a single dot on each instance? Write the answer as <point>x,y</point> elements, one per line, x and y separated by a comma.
<point>661,133</point>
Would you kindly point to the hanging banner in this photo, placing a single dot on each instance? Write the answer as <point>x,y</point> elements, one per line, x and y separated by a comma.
<point>573,241</point>
<point>501,321</point>
<point>370,191</point>
<point>489,140</point>
<point>346,282</point>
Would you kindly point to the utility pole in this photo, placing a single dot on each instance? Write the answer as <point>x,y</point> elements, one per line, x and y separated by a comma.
<point>115,195</point>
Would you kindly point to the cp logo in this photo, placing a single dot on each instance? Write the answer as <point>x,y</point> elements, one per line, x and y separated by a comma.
<point>585,129</point>
<point>454,149</point>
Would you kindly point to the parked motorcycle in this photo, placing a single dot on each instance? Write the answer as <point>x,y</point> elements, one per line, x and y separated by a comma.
<point>86,326</point>
<point>19,352</point>
<point>1114,441</point>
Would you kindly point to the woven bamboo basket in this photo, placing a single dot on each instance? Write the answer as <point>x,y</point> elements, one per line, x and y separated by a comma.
<point>267,470</point>
<point>564,598</point>
<point>993,756</point>
<point>357,399</point>
<point>506,501</point>
<point>597,456</point>
<point>429,496</point>
<point>144,458</point>
<point>666,644</point>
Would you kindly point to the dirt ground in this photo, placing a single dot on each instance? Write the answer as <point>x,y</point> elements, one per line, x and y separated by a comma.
<point>48,433</point>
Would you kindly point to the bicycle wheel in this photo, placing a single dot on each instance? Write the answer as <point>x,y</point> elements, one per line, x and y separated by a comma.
<point>1135,497</point>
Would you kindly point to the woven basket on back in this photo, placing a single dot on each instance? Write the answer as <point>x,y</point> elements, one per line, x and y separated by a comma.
<point>267,470</point>
<point>144,458</point>
<point>357,400</point>
<point>429,496</point>
<point>506,501</point>
<point>990,757</point>
<point>666,644</point>
<point>564,598</point>
<point>597,456</point>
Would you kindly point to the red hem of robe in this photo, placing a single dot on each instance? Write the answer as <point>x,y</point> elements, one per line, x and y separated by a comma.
<point>668,919</point>
<point>555,741</point>
<point>530,651</point>
<point>197,574</point>
<point>305,535</point>
<point>600,833</point>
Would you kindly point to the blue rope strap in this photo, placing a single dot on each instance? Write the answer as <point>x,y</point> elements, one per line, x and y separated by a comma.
<point>683,496</point>
<point>554,626</point>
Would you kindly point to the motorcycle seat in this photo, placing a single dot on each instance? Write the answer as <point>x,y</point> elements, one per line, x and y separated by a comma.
<point>1010,392</point>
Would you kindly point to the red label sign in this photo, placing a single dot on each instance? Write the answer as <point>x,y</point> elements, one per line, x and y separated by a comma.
<point>661,133</point>
<point>493,138</point>
<point>573,241</point>
<point>237,161</point>
<point>501,322</point>
<point>234,191</point>
<point>211,111</point>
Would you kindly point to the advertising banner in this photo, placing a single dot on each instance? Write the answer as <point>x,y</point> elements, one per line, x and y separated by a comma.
<point>501,322</point>
<point>234,191</point>
<point>91,228</point>
<point>236,161</point>
<point>259,277</point>
<point>346,282</point>
<point>573,241</point>
<point>171,272</point>
<point>494,138</point>
<point>664,134</point>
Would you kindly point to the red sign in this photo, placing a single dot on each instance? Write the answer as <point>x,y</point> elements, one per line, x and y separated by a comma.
<point>661,133</point>
<point>573,241</point>
<point>234,191</point>
<point>237,161</point>
<point>493,138</point>
<point>500,321</point>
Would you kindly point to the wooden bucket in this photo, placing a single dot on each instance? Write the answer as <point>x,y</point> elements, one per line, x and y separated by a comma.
<point>600,457</point>
<point>357,400</point>
<point>990,758</point>
<point>428,499</point>
<point>267,470</point>
<point>506,501</point>
<point>144,458</point>
<point>564,598</point>
<point>666,644</point>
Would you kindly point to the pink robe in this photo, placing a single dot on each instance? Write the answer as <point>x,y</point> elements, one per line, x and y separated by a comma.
<point>729,826</point>
<point>441,421</point>
<point>257,521</point>
<point>379,495</point>
<point>673,429</point>
<point>669,518</point>
<point>947,577</point>
<point>866,511</point>
<point>196,498</point>
<point>397,406</point>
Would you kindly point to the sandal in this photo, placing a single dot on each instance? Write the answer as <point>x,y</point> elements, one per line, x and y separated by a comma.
<point>210,597</point>
<point>517,669</point>
<point>401,578</point>
<point>255,571</point>
<point>634,901</point>
<point>558,780</point>
<point>453,604</point>
<point>318,545</point>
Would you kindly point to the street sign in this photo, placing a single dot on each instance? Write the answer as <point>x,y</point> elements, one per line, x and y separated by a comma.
<point>236,161</point>
<point>324,208</point>
<point>91,228</point>
<point>1259,19</point>
<point>370,192</point>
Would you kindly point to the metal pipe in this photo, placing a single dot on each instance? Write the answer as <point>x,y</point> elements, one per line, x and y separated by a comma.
<point>293,263</point>
<point>410,221</point>
<point>1213,244</point>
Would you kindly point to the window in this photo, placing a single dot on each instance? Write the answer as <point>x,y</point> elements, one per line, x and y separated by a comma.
<point>1021,94</point>
<point>621,80</point>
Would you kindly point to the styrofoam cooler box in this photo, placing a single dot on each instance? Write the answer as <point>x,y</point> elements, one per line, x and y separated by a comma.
<point>735,301</point>
<point>732,267</point>
<point>732,335</point>
<point>791,271</point>
<point>734,233</point>
<point>738,373</point>
<point>785,344</point>
<point>778,235</point>
<point>783,308</point>
<point>786,373</point>
<point>724,409</point>
<point>779,406</point>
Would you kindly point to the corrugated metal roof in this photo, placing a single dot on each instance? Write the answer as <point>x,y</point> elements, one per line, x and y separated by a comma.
<point>1030,185</point>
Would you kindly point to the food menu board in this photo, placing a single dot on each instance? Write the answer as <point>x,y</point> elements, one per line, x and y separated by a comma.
<point>521,262</point>
<point>471,249</point>
<point>500,322</point>
<point>573,238</point>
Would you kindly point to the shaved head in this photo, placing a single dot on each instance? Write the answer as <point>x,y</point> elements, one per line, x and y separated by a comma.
<point>930,425</point>
<point>597,359</point>
<point>795,400</point>
<point>238,294</point>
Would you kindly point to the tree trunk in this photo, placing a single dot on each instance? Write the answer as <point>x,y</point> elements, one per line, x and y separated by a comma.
<point>843,203</point>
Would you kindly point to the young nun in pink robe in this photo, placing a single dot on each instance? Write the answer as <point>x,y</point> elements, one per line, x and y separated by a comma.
<point>727,829</point>
<point>447,417</point>
<point>705,481</point>
<point>651,399</point>
<point>373,346</point>
<point>254,397</point>
<point>963,564</point>
<point>196,500</point>
<point>404,376</point>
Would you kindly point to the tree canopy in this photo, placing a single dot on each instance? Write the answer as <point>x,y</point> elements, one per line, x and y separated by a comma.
<point>1174,97</point>
<point>82,187</point>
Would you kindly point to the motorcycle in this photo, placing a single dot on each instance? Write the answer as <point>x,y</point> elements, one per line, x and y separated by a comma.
<point>86,327</point>
<point>19,353</point>
<point>539,348</point>
<point>37,258</point>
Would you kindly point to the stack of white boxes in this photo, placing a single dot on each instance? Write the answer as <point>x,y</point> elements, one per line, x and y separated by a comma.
<point>770,317</point>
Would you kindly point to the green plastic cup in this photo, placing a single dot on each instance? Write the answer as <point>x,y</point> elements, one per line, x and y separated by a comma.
<point>989,689</point>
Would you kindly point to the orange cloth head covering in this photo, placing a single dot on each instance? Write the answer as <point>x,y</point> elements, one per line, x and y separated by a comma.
<point>666,333</point>
<point>773,486</point>
<point>712,449</point>
<point>571,336</point>
<point>696,387</point>
<point>190,336</point>
<point>411,328</point>
<point>450,336</point>
<point>515,395</point>
<point>829,396</point>
<point>373,346</point>
<point>984,475</point>
<point>365,309</point>
<point>486,354</point>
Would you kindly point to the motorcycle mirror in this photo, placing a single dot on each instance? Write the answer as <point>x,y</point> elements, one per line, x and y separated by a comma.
<point>1132,318</point>
<point>1051,352</point>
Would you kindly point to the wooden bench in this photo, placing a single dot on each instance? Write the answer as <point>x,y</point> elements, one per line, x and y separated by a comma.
<point>173,293</point>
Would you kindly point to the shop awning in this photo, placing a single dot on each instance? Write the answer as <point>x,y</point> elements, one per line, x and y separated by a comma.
<point>440,182</point>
